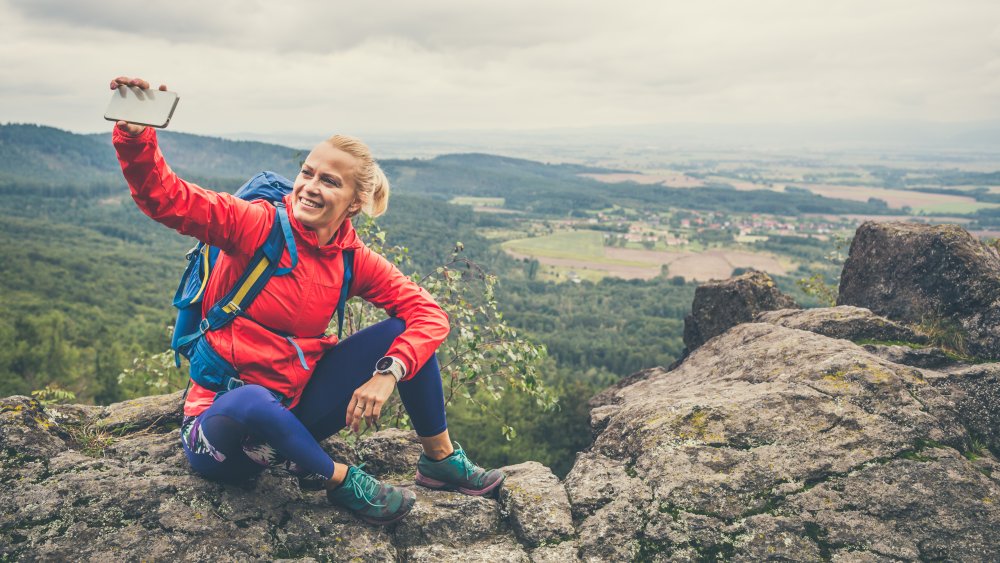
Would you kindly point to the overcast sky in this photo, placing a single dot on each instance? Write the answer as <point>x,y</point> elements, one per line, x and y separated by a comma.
<point>298,66</point>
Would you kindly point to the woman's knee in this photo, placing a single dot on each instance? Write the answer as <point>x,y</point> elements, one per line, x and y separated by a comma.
<point>250,404</point>
<point>392,326</point>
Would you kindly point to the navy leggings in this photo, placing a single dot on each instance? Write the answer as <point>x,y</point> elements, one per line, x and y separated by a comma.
<point>252,412</point>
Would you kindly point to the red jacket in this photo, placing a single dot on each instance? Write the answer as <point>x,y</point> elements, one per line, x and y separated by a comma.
<point>300,303</point>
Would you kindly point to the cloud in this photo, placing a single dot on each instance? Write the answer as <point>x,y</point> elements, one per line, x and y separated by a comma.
<point>329,26</point>
<point>441,64</point>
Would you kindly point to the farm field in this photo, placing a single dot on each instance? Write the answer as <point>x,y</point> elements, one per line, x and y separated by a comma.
<point>880,218</point>
<point>584,254</point>
<point>478,201</point>
<point>664,178</point>
<point>897,199</point>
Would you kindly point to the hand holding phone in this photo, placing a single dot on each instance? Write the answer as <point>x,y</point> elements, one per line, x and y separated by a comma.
<point>134,105</point>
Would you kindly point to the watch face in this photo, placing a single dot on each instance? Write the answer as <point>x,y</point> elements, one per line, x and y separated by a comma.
<point>384,364</point>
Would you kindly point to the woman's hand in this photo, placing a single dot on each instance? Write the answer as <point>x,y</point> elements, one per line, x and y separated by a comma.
<point>367,401</point>
<point>132,129</point>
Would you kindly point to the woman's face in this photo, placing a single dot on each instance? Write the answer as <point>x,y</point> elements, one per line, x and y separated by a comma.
<point>324,193</point>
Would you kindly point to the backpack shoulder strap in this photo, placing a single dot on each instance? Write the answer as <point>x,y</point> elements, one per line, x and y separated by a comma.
<point>262,266</point>
<point>344,288</point>
<point>289,238</point>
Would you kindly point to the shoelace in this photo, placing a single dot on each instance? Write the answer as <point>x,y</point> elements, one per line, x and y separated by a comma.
<point>364,486</point>
<point>468,467</point>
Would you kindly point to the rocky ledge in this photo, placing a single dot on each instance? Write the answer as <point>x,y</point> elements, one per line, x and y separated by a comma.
<point>807,435</point>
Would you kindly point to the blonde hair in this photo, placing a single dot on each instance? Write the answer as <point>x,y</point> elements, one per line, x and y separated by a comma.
<point>370,181</point>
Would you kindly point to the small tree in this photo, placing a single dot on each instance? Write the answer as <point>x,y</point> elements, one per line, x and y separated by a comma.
<point>817,285</point>
<point>483,357</point>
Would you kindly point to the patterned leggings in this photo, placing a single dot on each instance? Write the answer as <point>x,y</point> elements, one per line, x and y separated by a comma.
<point>247,429</point>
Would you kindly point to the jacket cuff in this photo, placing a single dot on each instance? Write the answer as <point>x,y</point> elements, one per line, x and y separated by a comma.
<point>408,371</point>
<point>120,137</point>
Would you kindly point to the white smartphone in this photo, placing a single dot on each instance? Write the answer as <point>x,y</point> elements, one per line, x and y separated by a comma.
<point>142,107</point>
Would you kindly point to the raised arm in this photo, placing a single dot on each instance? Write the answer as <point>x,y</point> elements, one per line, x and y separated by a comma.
<point>219,219</point>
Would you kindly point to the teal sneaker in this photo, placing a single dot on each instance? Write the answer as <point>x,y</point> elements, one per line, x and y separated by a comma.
<point>372,501</point>
<point>457,473</point>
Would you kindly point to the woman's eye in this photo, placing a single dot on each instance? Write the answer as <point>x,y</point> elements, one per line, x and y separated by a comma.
<point>330,182</point>
<point>305,172</point>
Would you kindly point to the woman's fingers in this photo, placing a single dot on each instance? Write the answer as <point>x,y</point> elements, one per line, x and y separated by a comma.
<point>363,406</point>
<point>359,414</point>
<point>138,82</point>
<point>129,128</point>
<point>367,401</point>
<point>372,411</point>
<point>349,422</point>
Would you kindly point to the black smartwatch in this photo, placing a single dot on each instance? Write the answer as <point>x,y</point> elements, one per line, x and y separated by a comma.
<point>389,365</point>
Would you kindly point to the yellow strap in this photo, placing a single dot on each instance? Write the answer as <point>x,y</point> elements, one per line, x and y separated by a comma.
<point>234,305</point>
<point>204,274</point>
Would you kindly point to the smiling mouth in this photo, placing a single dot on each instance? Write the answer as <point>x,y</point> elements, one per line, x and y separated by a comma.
<point>309,203</point>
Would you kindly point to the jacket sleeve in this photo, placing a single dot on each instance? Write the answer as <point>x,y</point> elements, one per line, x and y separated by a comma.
<point>382,284</point>
<point>218,219</point>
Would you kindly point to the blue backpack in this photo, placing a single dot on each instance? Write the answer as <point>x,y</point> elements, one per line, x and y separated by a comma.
<point>208,368</point>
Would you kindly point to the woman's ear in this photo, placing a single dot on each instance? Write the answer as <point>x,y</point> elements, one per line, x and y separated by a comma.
<point>354,208</point>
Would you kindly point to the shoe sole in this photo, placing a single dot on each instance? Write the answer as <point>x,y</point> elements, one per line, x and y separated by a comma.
<point>425,481</point>
<point>396,518</point>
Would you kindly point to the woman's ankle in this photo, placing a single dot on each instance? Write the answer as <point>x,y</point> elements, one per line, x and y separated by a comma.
<point>437,447</point>
<point>339,474</point>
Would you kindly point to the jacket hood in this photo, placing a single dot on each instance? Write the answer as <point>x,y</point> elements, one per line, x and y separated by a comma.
<point>346,237</point>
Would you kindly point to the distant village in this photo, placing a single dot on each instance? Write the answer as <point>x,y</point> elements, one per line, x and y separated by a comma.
<point>682,227</point>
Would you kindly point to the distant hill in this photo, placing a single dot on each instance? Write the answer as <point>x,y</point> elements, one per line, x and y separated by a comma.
<point>46,157</point>
<point>198,156</point>
<point>59,163</point>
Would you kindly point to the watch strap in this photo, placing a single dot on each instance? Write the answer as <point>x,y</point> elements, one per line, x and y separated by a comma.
<point>395,368</point>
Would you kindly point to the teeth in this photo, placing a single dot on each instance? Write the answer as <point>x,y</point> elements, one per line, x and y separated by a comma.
<point>308,203</point>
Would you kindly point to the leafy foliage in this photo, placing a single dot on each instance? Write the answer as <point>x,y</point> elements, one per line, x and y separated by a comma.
<point>819,285</point>
<point>52,394</point>
<point>483,358</point>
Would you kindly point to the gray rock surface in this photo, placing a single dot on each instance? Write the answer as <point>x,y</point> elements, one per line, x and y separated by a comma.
<point>975,391</point>
<point>537,504</point>
<point>770,442</point>
<point>882,337</point>
<point>847,322</point>
<point>930,357</point>
<point>97,484</point>
<point>935,275</point>
<point>721,305</point>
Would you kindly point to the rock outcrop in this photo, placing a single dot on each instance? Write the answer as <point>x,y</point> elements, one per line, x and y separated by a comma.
<point>832,434</point>
<point>771,442</point>
<point>107,484</point>
<point>721,305</point>
<point>935,275</point>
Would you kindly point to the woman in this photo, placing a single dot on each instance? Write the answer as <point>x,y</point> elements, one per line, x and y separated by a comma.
<point>300,388</point>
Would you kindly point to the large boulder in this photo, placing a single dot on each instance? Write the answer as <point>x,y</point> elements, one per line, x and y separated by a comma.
<point>777,443</point>
<point>937,276</point>
<point>721,305</point>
